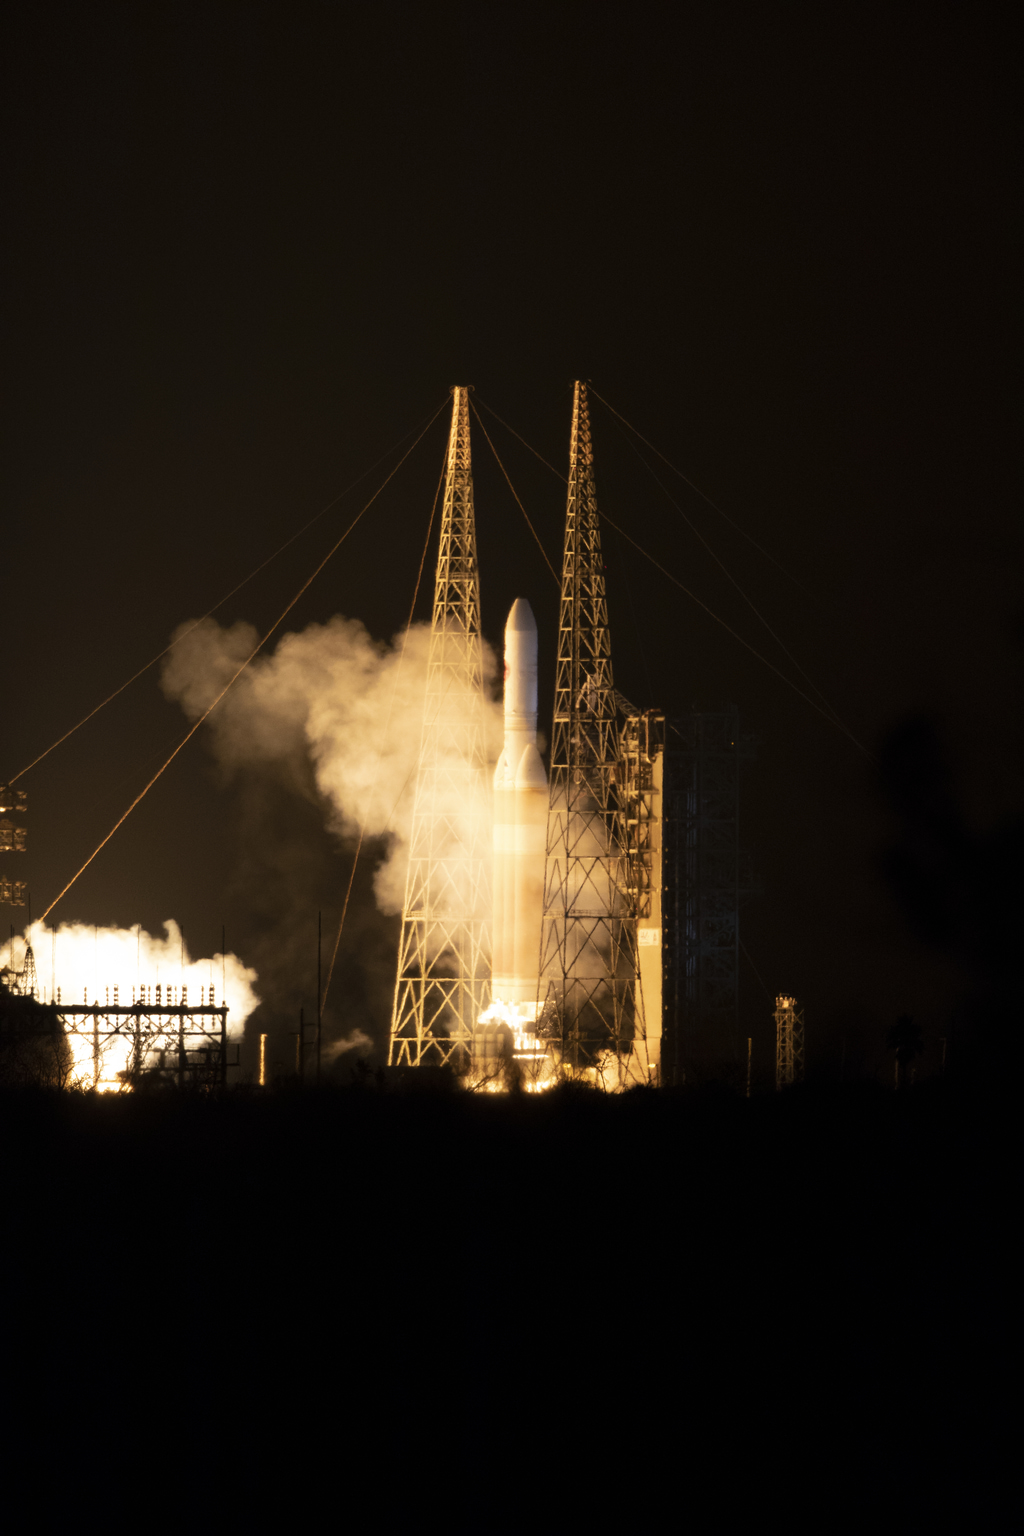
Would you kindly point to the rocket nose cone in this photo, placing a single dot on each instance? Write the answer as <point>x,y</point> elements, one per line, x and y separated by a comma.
<point>521,617</point>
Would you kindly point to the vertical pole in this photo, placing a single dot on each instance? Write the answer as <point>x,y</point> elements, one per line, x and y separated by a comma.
<point>263,1061</point>
<point>319,1008</point>
<point>95,1046</point>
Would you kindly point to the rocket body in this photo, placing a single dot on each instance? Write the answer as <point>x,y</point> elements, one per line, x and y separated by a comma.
<point>520,822</point>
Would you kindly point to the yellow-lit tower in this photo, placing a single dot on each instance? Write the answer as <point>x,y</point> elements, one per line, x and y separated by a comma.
<point>443,981</point>
<point>593,1015</point>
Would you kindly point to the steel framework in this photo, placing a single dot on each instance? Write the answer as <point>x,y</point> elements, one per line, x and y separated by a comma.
<point>115,1046</point>
<point>443,980</point>
<point>588,971</point>
<point>186,1046</point>
<point>789,1042</point>
<point>13,836</point>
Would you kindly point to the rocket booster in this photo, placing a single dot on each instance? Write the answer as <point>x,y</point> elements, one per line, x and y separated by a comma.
<point>520,821</point>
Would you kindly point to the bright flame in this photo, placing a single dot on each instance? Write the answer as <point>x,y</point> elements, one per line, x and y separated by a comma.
<point>117,967</point>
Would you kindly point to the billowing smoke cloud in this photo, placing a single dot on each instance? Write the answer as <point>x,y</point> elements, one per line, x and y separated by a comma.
<point>336,715</point>
<point>332,696</point>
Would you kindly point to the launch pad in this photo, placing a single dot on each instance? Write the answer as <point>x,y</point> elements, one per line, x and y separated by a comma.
<point>611,922</point>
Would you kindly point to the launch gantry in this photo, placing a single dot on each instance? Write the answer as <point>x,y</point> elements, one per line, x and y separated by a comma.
<point>589,965</point>
<point>443,982</point>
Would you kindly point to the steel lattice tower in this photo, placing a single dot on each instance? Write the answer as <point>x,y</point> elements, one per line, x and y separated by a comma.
<point>589,944</point>
<point>443,981</point>
<point>789,1042</point>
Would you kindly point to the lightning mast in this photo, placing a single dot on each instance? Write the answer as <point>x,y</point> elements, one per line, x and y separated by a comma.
<point>443,980</point>
<point>589,937</point>
<point>789,1042</point>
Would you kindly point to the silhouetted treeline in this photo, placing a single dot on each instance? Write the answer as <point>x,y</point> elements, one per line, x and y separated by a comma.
<point>960,887</point>
<point>495,1310</point>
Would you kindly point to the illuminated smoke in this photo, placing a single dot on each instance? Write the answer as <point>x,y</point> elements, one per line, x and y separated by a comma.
<point>357,1041</point>
<point>337,699</point>
<point>108,966</point>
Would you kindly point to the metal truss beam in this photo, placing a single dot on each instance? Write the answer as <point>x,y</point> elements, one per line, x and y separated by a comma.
<point>443,978</point>
<point>589,945</point>
<point>186,1046</point>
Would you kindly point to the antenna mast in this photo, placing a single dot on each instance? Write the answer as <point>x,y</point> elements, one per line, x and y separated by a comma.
<point>589,942</point>
<point>443,981</point>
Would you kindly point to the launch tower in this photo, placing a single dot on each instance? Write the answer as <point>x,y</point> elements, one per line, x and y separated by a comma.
<point>589,966</point>
<point>443,981</point>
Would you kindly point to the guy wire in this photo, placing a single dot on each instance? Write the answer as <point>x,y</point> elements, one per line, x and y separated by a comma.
<point>218,604</point>
<point>731,578</point>
<point>384,735</point>
<point>512,488</point>
<point>696,488</point>
<point>832,719</point>
<point>256,650</point>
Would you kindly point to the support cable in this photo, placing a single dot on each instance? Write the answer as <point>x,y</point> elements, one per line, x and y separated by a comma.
<point>556,472</point>
<point>696,488</point>
<point>729,577</point>
<point>754,968</point>
<point>832,720</point>
<point>252,655</point>
<point>219,603</point>
<point>512,488</point>
<point>384,736</point>
<point>827,713</point>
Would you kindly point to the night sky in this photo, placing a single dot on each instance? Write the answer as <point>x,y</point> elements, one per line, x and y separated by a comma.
<point>248,248</point>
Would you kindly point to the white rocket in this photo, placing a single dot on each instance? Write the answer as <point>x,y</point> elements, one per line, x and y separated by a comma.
<point>520,824</point>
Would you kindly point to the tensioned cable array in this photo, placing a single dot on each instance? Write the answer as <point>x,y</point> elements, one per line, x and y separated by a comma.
<point>827,713</point>
<point>731,578</point>
<point>221,601</point>
<point>557,473</point>
<point>512,488</point>
<point>384,737</point>
<point>253,653</point>
<point>745,643</point>
<point>696,488</point>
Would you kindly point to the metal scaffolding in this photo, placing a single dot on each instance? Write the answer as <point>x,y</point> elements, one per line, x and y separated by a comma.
<point>443,980</point>
<point>13,839</point>
<point>182,1046</point>
<point>110,1045</point>
<point>588,973</point>
<point>789,1042</point>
